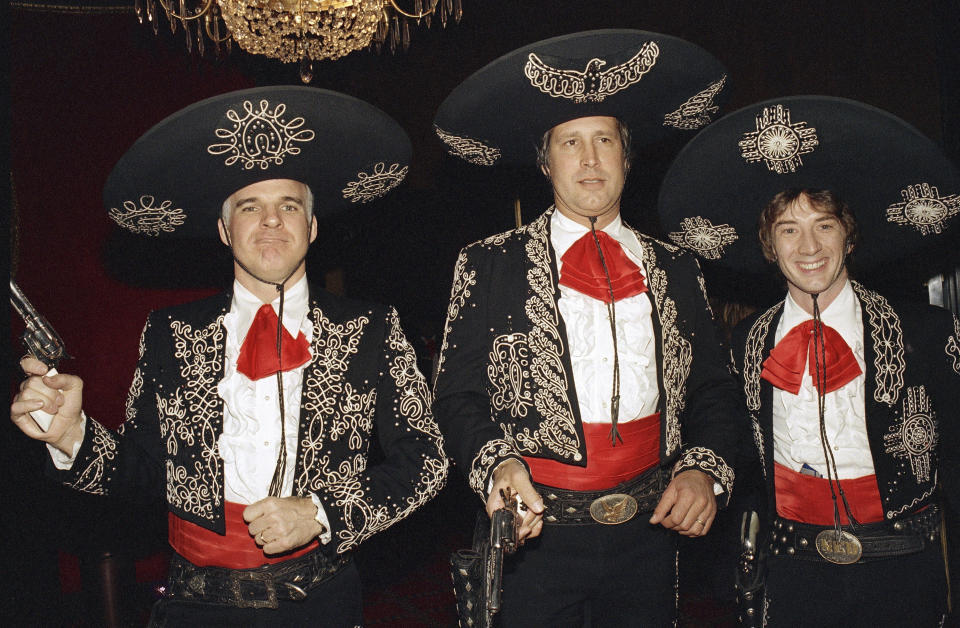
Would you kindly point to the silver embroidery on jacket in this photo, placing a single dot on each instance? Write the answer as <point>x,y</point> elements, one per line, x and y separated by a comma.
<point>887,337</point>
<point>705,460</point>
<point>753,356</point>
<point>593,84</point>
<point>914,436</point>
<point>953,346</point>
<point>91,478</point>
<point>507,371</point>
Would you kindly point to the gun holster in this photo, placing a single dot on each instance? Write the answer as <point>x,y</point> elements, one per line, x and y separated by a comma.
<point>751,572</point>
<point>468,567</point>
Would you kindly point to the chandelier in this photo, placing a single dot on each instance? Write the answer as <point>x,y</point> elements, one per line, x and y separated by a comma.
<point>301,31</point>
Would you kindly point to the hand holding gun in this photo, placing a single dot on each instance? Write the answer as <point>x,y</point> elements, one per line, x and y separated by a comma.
<point>41,341</point>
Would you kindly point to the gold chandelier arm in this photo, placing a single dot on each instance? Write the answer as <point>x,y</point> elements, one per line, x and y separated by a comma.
<point>167,6</point>
<point>396,8</point>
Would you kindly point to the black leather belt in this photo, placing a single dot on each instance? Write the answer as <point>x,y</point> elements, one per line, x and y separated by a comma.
<point>261,587</point>
<point>879,540</point>
<point>564,507</point>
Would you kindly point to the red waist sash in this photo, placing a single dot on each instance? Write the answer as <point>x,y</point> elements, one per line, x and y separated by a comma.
<point>607,465</point>
<point>807,498</point>
<point>235,550</point>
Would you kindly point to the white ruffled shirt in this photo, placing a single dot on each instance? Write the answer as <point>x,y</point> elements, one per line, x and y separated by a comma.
<point>591,344</point>
<point>796,423</point>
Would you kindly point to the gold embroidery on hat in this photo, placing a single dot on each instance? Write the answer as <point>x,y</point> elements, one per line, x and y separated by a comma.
<point>145,218</point>
<point>468,149</point>
<point>697,112</point>
<point>261,137</point>
<point>924,208</point>
<point>592,84</point>
<point>375,184</point>
<point>700,235</point>
<point>777,141</point>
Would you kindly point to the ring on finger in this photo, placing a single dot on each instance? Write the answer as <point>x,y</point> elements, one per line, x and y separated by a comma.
<point>700,521</point>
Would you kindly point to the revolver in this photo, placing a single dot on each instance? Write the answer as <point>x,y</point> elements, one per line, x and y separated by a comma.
<point>504,539</point>
<point>41,341</point>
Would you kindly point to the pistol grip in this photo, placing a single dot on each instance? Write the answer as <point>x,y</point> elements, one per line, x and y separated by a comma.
<point>41,418</point>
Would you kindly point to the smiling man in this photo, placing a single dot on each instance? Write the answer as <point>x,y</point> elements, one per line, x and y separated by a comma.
<point>852,395</point>
<point>253,413</point>
<point>579,367</point>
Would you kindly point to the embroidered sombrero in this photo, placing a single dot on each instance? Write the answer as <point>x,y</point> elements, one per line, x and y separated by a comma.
<point>902,188</point>
<point>654,83</point>
<point>175,178</point>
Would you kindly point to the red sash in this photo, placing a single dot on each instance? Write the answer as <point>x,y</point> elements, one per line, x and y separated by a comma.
<point>807,499</point>
<point>235,550</point>
<point>607,465</point>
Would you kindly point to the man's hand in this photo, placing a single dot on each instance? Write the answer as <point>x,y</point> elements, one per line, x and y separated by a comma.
<point>688,505</point>
<point>281,524</point>
<point>60,395</point>
<point>512,474</point>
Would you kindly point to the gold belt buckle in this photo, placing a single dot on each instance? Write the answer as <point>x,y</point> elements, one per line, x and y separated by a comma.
<point>613,508</point>
<point>840,549</point>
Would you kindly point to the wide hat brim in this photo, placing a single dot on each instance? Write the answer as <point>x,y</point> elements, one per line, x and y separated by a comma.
<point>175,178</point>
<point>656,84</point>
<point>902,188</point>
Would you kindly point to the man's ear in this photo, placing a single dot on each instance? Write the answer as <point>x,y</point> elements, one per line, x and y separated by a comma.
<point>313,228</point>
<point>223,232</point>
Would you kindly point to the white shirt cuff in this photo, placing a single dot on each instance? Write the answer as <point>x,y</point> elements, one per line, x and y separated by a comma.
<point>61,460</point>
<point>326,536</point>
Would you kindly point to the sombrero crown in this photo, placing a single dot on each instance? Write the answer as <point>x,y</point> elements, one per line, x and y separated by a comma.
<point>902,188</point>
<point>654,83</point>
<point>175,178</point>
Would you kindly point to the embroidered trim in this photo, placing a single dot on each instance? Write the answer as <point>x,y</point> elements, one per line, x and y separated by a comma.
<point>753,356</point>
<point>136,386</point>
<point>677,350</point>
<point>899,511</point>
<point>924,209</point>
<point>777,141</point>
<point>592,84</point>
<point>557,428</point>
<point>697,111</point>
<point>758,442</point>
<point>703,237</point>
<point>91,478</point>
<point>710,463</point>
<point>459,293</point>
<point>468,149</point>
<point>887,339</point>
<point>507,369</point>
<point>260,137</point>
<point>952,348</point>
<point>147,219</point>
<point>372,185</point>
<point>491,454</point>
<point>193,414</point>
<point>915,435</point>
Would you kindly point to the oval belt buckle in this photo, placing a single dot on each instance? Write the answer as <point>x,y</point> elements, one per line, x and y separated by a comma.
<point>840,549</point>
<point>613,508</point>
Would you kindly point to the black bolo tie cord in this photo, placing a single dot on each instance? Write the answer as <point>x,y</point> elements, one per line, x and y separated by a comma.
<point>612,316</point>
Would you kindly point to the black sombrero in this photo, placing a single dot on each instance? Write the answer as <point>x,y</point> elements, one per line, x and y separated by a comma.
<point>175,178</point>
<point>902,188</point>
<point>654,83</point>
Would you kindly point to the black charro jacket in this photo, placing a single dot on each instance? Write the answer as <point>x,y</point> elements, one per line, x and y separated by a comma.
<point>362,379</point>
<point>912,393</point>
<point>505,387</point>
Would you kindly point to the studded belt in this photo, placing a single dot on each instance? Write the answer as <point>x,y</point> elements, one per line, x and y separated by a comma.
<point>252,588</point>
<point>879,540</point>
<point>612,505</point>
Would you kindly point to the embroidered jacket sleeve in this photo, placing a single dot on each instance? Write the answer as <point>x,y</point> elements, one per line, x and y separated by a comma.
<point>463,406</point>
<point>708,401</point>
<point>126,461</point>
<point>362,500</point>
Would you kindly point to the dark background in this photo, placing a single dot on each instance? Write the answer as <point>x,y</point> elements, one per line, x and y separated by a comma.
<point>84,84</point>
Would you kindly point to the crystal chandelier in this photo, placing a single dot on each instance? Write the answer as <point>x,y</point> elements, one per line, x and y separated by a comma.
<point>301,31</point>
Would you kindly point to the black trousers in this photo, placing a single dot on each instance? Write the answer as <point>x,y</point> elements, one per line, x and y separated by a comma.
<point>907,591</point>
<point>334,604</point>
<point>593,575</point>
